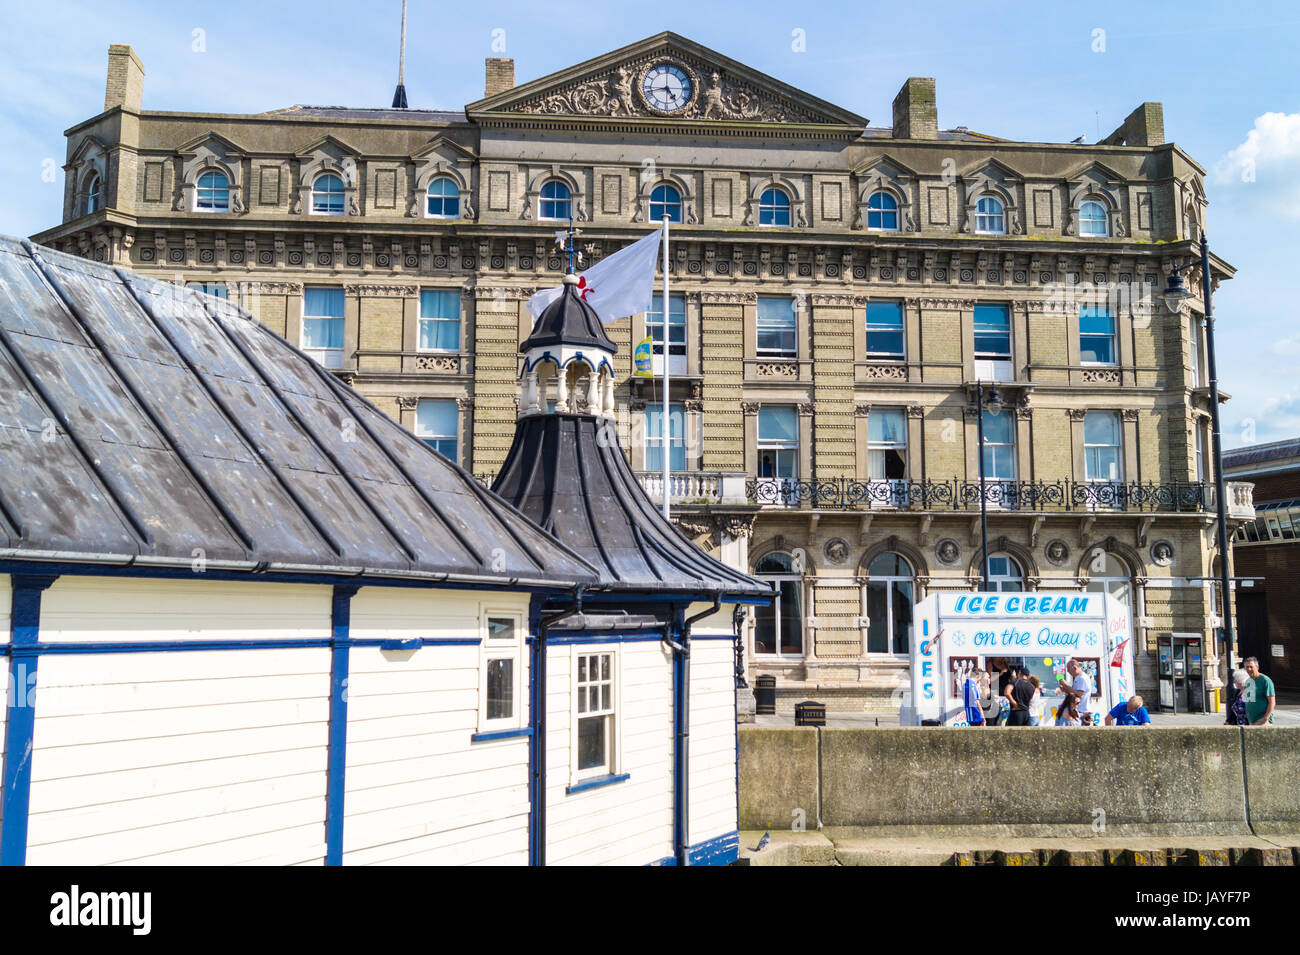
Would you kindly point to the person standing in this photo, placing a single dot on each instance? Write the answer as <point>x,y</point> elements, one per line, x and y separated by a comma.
<point>970,697</point>
<point>1132,713</point>
<point>1261,698</point>
<point>1036,704</point>
<point>1020,693</point>
<point>1081,688</point>
<point>1237,700</point>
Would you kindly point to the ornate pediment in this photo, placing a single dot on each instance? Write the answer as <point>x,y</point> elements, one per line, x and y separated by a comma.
<point>666,77</point>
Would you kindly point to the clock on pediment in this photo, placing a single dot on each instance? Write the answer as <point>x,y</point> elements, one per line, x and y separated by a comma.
<point>668,87</point>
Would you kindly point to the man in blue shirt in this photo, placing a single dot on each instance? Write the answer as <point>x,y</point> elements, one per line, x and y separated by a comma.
<point>971,698</point>
<point>1132,713</point>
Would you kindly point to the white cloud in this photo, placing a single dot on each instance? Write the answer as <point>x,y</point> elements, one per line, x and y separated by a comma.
<point>1267,163</point>
<point>1286,346</point>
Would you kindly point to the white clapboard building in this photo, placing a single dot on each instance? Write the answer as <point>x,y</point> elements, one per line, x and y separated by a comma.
<point>269,625</point>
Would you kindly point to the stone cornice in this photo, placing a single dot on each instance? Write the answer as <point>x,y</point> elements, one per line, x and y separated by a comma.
<point>382,291</point>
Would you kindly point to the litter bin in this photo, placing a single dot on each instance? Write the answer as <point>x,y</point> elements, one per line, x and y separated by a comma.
<point>765,696</point>
<point>809,713</point>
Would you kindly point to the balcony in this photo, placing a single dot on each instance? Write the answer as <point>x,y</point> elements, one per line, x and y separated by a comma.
<point>1034,496</point>
<point>696,487</point>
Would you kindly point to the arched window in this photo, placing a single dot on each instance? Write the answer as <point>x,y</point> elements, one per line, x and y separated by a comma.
<point>774,208</point>
<point>1093,219</point>
<point>94,194</point>
<point>990,216</point>
<point>882,212</point>
<point>212,192</point>
<point>556,201</point>
<point>890,598</point>
<point>327,195</point>
<point>1005,575</point>
<point>1110,575</point>
<point>444,199</point>
<point>778,628</point>
<point>665,201</point>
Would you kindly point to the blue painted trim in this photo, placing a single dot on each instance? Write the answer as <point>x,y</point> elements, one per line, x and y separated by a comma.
<point>568,639</point>
<point>20,721</point>
<point>597,783</point>
<point>729,637</point>
<point>721,850</point>
<point>493,735</point>
<point>90,569</point>
<point>168,646</point>
<point>681,735</point>
<point>537,738</point>
<point>340,624</point>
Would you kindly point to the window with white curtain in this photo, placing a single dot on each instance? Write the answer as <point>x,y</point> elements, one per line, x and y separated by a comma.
<point>1101,447</point>
<point>999,451</point>
<point>886,444</point>
<point>990,216</point>
<point>437,424</point>
<point>1093,219</point>
<point>322,325</point>
<point>654,440</point>
<point>439,320</point>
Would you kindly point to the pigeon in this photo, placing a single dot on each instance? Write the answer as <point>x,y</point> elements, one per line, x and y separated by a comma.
<point>764,842</point>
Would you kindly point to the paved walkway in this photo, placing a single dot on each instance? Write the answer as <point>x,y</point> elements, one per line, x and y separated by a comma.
<point>1287,713</point>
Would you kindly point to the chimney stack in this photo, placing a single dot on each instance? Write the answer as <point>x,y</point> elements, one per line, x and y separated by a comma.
<point>915,113</point>
<point>500,75</point>
<point>1145,126</point>
<point>125,79</point>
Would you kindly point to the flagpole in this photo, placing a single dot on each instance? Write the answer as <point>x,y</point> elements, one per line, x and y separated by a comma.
<point>665,427</point>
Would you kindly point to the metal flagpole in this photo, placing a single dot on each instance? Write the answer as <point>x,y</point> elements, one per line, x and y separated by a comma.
<point>665,426</point>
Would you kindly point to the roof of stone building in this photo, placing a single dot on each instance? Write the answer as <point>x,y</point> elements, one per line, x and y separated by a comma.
<point>567,473</point>
<point>143,423</point>
<point>569,320</point>
<point>1261,453</point>
<point>350,112</point>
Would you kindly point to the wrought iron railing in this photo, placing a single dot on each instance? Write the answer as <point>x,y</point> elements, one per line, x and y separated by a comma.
<point>959,495</point>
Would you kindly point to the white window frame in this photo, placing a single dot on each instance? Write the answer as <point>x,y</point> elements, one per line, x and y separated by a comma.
<point>798,580</point>
<point>654,321</point>
<point>889,580</point>
<point>895,212</point>
<point>568,201</point>
<point>1105,219</point>
<point>779,353</point>
<point>343,209</point>
<point>614,727</point>
<point>1009,447</point>
<point>1195,342</point>
<point>788,208</point>
<point>901,330</point>
<point>653,441</point>
<point>439,437</point>
<point>1114,342</point>
<point>199,189</point>
<point>785,449</point>
<point>673,206</point>
<point>495,649</point>
<point>332,358</point>
<point>1000,216</point>
<point>1118,447</point>
<point>998,581</point>
<point>94,200</point>
<point>422,318</point>
<point>429,197</point>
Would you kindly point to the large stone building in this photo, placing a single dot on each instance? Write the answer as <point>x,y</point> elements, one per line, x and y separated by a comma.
<point>839,287</point>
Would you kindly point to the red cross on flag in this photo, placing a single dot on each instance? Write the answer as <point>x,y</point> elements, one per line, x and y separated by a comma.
<point>617,286</point>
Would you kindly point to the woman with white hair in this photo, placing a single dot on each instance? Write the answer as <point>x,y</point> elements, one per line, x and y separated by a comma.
<point>1237,697</point>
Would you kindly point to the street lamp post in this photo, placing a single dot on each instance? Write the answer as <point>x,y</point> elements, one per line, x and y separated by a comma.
<point>995,401</point>
<point>1175,295</point>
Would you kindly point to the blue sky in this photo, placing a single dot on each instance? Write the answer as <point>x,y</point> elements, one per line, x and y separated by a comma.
<point>1033,71</point>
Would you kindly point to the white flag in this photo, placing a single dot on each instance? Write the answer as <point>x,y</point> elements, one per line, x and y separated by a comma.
<point>616,287</point>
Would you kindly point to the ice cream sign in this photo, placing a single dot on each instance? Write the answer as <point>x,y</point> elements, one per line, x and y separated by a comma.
<point>1022,623</point>
<point>955,632</point>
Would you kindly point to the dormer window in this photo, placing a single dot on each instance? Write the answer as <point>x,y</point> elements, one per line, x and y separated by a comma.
<point>212,192</point>
<point>665,201</point>
<point>1093,219</point>
<point>94,194</point>
<point>882,212</point>
<point>327,195</point>
<point>990,217</point>
<point>444,199</point>
<point>555,202</point>
<point>774,208</point>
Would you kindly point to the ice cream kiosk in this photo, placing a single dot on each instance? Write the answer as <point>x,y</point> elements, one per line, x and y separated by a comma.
<point>953,633</point>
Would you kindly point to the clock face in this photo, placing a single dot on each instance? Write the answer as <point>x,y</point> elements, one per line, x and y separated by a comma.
<point>666,88</point>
